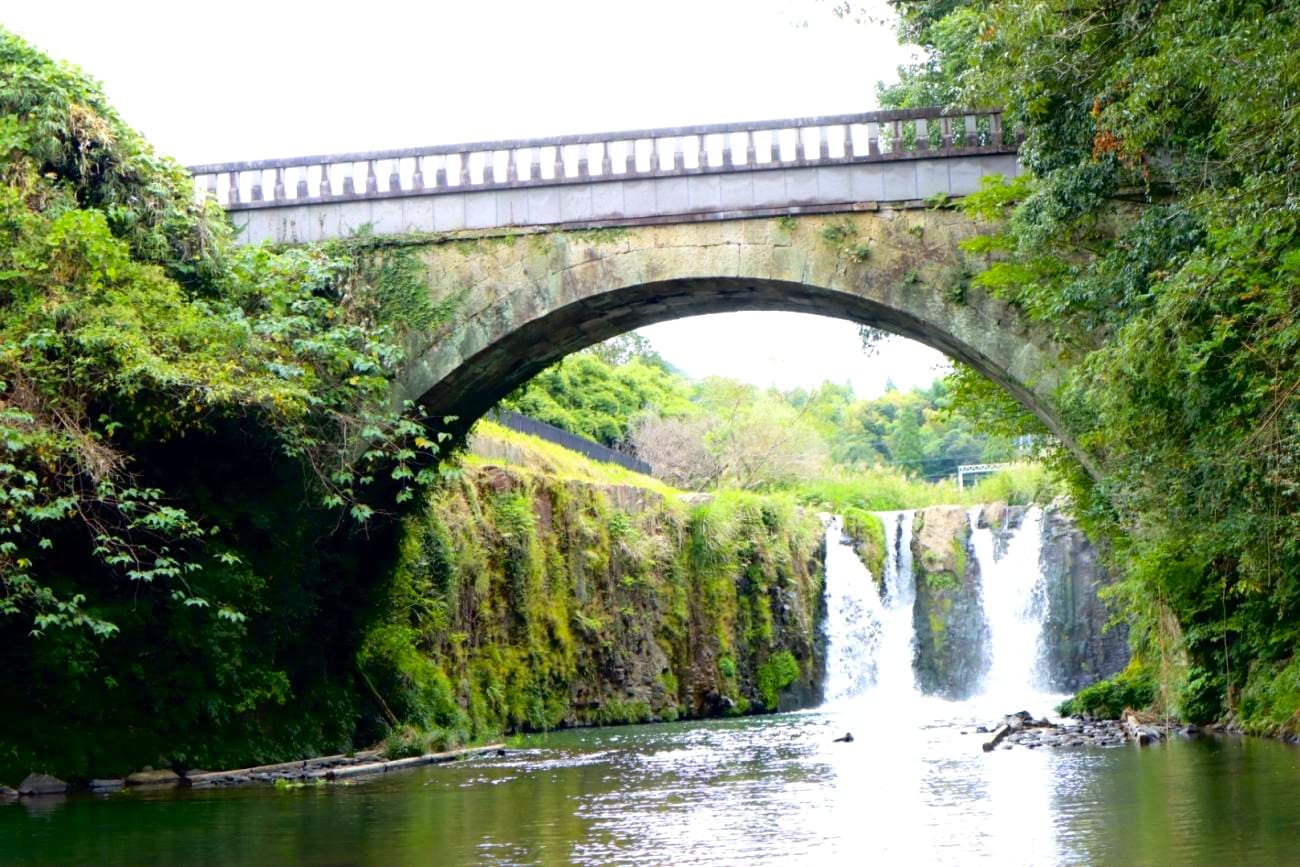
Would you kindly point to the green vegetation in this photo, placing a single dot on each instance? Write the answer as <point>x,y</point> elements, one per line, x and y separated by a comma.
<point>885,489</point>
<point>776,674</point>
<point>522,600</point>
<point>868,534</point>
<point>590,397</point>
<point>1155,234</point>
<point>837,451</point>
<point>180,555</point>
<point>1134,688</point>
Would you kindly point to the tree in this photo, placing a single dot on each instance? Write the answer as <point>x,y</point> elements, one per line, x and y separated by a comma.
<point>590,397</point>
<point>677,450</point>
<point>1155,236</point>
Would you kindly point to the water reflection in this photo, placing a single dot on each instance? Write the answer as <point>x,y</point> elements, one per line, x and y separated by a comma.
<point>910,789</point>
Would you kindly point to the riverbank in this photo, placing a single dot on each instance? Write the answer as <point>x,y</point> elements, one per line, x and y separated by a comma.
<point>323,769</point>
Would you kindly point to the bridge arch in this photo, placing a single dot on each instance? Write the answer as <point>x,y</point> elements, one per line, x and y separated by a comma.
<point>523,302</point>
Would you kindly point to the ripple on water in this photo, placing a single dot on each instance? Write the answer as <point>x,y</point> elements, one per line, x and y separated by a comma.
<point>771,790</point>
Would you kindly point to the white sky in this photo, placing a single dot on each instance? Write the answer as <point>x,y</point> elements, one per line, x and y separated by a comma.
<point>211,82</point>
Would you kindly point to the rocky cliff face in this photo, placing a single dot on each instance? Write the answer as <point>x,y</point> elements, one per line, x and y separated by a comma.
<point>534,602</point>
<point>1078,648</point>
<point>951,653</point>
<point>951,633</point>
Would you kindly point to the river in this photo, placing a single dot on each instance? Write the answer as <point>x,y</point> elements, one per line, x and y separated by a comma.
<point>913,787</point>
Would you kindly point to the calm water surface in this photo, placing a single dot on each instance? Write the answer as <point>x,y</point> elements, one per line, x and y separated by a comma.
<point>753,791</point>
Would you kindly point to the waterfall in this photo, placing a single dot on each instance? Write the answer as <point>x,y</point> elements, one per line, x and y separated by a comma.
<point>869,624</point>
<point>854,616</point>
<point>1014,600</point>
<point>894,676</point>
<point>869,638</point>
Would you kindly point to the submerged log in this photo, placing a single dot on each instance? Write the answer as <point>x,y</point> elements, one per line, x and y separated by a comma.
<point>413,761</point>
<point>998,734</point>
<point>240,775</point>
<point>1145,735</point>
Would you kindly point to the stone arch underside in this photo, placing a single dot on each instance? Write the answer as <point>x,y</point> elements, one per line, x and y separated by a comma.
<point>523,303</point>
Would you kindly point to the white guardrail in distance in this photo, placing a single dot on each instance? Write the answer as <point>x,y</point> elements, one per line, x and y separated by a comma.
<point>974,469</point>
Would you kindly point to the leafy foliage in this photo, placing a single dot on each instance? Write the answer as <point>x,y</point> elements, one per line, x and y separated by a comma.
<point>599,393</point>
<point>1156,235</point>
<point>1132,688</point>
<point>189,432</point>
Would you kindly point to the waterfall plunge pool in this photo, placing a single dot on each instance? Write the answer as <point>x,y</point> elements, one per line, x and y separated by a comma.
<point>911,789</point>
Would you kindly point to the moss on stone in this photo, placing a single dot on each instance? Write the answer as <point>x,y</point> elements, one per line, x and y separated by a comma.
<point>868,534</point>
<point>524,600</point>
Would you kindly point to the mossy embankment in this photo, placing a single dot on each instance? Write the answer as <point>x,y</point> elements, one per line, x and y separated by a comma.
<point>540,590</point>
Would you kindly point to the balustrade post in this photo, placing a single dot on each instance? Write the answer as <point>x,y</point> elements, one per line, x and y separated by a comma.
<point>922,134</point>
<point>395,177</point>
<point>606,160</point>
<point>232,195</point>
<point>873,139</point>
<point>823,144</point>
<point>349,189</point>
<point>972,132</point>
<point>255,189</point>
<point>489,167</point>
<point>372,182</point>
<point>896,139</point>
<point>417,176</point>
<point>751,152</point>
<point>800,149</point>
<point>850,149</point>
<point>301,187</point>
<point>702,159</point>
<point>212,187</point>
<point>278,189</point>
<point>559,162</point>
<point>440,173</point>
<point>629,158</point>
<point>995,128</point>
<point>679,159</point>
<point>464,169</point>
<point>325,191</point>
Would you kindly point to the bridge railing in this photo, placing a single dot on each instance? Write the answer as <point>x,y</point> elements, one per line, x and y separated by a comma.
<point>627,155</point>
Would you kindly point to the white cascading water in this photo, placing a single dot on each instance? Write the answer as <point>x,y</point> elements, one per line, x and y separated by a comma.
<point>871,640</point>
<point>1014,602</point>
<point>894,676</point>
<point>854,615</point>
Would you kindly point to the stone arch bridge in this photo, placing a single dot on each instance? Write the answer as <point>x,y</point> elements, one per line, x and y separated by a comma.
<point>550,245</point>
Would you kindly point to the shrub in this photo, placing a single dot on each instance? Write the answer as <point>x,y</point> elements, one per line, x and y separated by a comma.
<point>780,670</point>
<point>1107,699</point>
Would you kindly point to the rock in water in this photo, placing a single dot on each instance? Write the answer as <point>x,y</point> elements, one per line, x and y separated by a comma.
<point>42,784</point>
<point>847,739</point>
<point>950,652</point>
<point>154,778</point>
